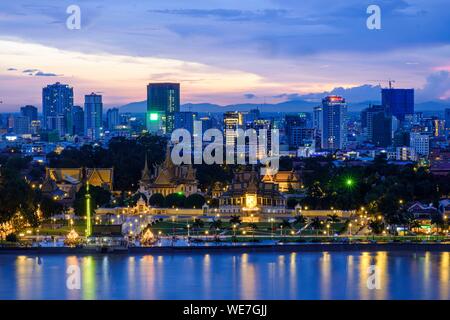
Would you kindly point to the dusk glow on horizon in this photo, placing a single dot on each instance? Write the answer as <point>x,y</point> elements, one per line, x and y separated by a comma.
<point>224,53</point>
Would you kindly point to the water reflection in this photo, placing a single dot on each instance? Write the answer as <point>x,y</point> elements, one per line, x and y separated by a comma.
<point>295,275</point>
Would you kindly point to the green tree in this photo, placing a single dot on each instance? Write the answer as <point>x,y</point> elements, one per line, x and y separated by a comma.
<point>175,200</point>
<point>157,200</point>
<point>377,227</point>
<point>194,201</point>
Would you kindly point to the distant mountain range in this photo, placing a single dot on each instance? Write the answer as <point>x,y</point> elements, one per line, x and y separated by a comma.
<point>287,106</point>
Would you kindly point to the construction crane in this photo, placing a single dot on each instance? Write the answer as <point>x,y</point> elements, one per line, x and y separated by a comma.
<point>389,81</point>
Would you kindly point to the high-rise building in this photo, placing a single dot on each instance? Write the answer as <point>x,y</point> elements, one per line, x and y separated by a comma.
<point>112,118</point>
<point>293,126</point>
<point>57,101</point>
<point>447,122</point>
<point>163,101</point>
<point>398,102</point>
<point>93,115</point>
<point>318,125</point>
<point>29,111</point>
<point>21,125</point>
<point>232,120</point>
<point>208,122</point>
<point>334,122</point>
<point>185,120</point>
<point>420,143</point>
<point>378,125</point>
<point>401,138</point>
<point>78,120</point>
<point>56,124</point>
<point>251,116</point>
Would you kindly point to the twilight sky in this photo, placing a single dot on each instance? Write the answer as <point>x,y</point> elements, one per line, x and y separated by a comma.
<point>222,51</point>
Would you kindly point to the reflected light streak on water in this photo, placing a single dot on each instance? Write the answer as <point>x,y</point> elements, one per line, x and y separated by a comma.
<point>291,275</point>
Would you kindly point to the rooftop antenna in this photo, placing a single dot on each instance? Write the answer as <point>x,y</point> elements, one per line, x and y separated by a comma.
<point>389,81</point>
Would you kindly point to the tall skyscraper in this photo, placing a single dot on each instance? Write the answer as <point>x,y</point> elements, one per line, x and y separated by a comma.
<point>21,125</point>
<point>57,101</point>
<point>78,120</point>
<point>29,111</point>
<point>334,122</point>
<point>318,125</point>
<point>232,120</point>
<point>29,114</point>
<point>185,120</point>
<point>447,122</point>
<point>163,101</point>
<point>112,118</point>
<point>93,113</point>
<point>378,124</point>
<point>293,126</point>
<point>398,102</point>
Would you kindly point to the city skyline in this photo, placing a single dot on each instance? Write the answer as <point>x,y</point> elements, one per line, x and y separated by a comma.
<point>289,50</point>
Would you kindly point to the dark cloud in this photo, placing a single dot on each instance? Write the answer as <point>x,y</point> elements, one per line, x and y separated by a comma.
<point>288,96</point>
<point>11,69</point>
<point>436,87</point>
<point>249,96</point>
<point>364,92</point>
<point>39,73</point>
<point>45,74</point>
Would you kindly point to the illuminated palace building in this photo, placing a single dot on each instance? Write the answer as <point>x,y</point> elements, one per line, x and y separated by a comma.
<point>168,178</point>
<point>249,195</point>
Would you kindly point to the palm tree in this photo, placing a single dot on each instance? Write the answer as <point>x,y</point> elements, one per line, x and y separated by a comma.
<point>377,227</point>
<point>198,224</point>
<point>216,225</point>
<point>299,219</point>
<point>333,218</point>
<point>316,224</point>
<point>254,227</point>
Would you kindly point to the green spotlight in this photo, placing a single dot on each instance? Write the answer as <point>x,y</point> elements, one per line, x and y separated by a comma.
<point>349,182</point>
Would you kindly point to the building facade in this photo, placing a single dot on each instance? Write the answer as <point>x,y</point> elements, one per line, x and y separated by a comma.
<point>57,102</point>
<point>168,178</point>
<point>93,115</point>
<point>334,113</point>
<point>163,101</point>
<point>249,195</point>
<point>398,102</point>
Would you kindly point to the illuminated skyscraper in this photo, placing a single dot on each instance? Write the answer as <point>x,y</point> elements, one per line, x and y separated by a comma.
<point>232,120</point>
<point>78,120</point>
<point>57,102</point>
<point>447,122</point>
<point>93,112</point>
<point>112,118</point>
<point>334,113</point>
<point>163,101</point>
